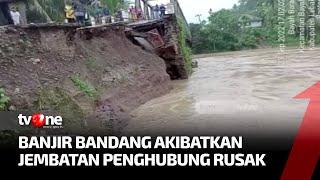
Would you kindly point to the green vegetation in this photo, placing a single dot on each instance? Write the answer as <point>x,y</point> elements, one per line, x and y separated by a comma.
<point>249,24</point>
<point>85,87</point>
<point>115,5</point>
<point>185,50</point>
<point>39,11</point>
<point>4,100</point>
<point>58,101</point>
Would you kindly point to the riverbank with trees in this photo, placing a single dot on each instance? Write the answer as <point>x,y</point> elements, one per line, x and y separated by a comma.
<point>254,24</point>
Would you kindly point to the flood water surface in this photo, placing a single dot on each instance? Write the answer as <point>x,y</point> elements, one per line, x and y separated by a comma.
<point>245,93</point>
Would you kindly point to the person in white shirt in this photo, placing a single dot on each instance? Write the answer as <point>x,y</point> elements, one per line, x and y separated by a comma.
<point>15,16</point>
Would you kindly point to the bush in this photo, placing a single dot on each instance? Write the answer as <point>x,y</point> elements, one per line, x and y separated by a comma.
<point>84,87</point>
<point>4,100</point>
<point>184,49</point>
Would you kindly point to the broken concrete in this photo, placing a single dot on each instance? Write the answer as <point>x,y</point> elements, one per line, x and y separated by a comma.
<point>170,51</point>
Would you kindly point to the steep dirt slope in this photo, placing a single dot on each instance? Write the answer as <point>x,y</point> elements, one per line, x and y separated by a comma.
<point>92,77</point>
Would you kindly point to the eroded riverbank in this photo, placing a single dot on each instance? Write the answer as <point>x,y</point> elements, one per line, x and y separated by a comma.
<point>92,77</point>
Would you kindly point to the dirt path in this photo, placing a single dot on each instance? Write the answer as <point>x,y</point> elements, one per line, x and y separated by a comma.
<point>247,93</point>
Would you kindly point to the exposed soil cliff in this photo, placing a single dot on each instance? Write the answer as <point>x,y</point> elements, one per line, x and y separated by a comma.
<point>91,77</point>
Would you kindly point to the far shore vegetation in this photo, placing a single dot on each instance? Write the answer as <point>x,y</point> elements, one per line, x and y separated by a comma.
<point>251,24</point>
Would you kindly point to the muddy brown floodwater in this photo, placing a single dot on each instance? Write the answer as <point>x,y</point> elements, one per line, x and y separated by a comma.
<point>246,93</point>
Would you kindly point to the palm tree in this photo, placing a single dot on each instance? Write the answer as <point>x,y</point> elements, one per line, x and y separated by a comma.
<point>37,6</point>
<point>53,10</point>
<point>50,10</point>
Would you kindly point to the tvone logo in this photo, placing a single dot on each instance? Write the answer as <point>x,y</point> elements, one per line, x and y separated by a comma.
<point>39,120</point>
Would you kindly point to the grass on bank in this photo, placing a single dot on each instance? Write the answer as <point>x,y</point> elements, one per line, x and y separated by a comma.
<point>185,50</point>
<point>85,87</point>
<point>4,100</point>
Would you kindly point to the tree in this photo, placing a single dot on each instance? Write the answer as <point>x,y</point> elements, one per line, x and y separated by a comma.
<point>45,10</point>
<point>115,5</point>
<point>231,29</point>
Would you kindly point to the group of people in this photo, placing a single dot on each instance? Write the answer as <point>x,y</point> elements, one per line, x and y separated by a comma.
<point>136,13</point>
<point>101,15</point>
<point>159,11</point>
<point>77,13</point>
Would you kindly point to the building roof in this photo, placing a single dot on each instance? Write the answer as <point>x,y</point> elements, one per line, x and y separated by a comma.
<point>248,17</point>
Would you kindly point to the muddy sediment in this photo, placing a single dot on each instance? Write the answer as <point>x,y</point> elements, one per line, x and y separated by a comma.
<point>92,78</point>
<point>249,93</point>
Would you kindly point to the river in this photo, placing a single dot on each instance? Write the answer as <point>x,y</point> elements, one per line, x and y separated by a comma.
<point>245,93</point>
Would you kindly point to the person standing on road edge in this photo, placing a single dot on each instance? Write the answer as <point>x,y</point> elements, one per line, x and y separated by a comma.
<point>139,13</point>
<point>98,12</point>
<point>162,10</point>
<point>79,12</point>
<point>156,10</point>
<point>70,15</point>
<point>106,15</point>
<point>15,14</point>
<point>133,13</point>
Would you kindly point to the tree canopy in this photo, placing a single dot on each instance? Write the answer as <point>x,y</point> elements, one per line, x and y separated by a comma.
<point>249,24</point>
